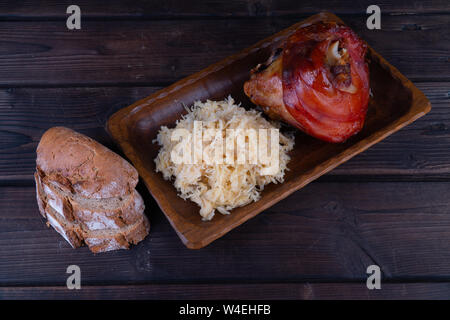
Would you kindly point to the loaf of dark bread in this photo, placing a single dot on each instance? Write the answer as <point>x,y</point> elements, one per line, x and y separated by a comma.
<point>87,192</point>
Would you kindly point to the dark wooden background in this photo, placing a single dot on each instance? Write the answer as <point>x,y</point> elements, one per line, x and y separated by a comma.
<point>389,206</point>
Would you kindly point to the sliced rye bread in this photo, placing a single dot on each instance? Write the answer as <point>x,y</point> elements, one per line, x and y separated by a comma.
<point>76,232</point>
<point>103,240</point>
<point>82,165</point>
<point>87,192</point>
<point>109,213</point>
<point>72,235</point>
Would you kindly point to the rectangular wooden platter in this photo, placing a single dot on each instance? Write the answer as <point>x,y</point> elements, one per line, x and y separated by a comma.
<point>395,103</point>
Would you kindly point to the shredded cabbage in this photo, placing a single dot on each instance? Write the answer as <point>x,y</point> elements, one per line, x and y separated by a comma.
<point>220,187</point>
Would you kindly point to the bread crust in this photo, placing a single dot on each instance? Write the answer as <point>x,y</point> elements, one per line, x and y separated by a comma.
<point>133,235</point>
<point>87,192</point>
<point>98,240</point>
<point>129,211</point>
<point>82,165</point>
<point>72,236</point>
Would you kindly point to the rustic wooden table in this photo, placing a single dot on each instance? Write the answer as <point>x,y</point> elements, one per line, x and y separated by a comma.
<point>389,206</point>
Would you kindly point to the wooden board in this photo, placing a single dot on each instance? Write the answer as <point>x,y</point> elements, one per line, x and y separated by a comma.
<point>284,291</point>
<point>394,104</point>
<point>210,8</point>
<point>326,232</point>
<point>52,76</point>
<point>161,52</point>
<point>418,152</point>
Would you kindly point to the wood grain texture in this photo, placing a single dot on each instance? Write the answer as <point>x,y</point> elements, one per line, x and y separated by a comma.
<point>418,152</point>
<point>395,102</point>
<point>210,8</point>
<point>276,291</point>
<point>26,113</point>
<point>40,53</point>
<point>325,232</point>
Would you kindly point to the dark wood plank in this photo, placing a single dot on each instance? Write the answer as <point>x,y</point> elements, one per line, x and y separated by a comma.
<point>417,152</point>
<point>42,53</point>
<point>324,232</point>
<point>278,291</point>
<point>26,113</point>
<point>210,8</point>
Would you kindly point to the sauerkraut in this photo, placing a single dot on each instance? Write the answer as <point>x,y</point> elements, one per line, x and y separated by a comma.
<point>211,185</point>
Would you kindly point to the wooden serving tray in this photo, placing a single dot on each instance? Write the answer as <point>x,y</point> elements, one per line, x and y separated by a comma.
<point>395,103</point>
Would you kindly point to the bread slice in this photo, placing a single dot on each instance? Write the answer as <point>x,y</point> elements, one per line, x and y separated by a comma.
<point>83,166</point>
<point>105,240</point>
<point>98,240</point>
<point>87,192</point>
<point>109,213</point>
